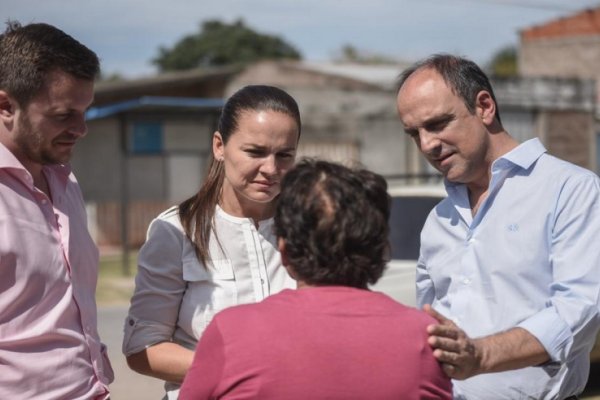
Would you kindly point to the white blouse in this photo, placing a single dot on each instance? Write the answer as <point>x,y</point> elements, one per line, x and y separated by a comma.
<point>176,296</point>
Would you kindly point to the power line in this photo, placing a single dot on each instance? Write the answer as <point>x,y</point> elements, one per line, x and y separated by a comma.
<point>532,4</point>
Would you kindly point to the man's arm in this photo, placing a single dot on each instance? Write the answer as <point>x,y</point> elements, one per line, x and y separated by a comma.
<point>463,357</point>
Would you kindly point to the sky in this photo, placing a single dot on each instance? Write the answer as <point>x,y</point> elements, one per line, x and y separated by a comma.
<point>126,34</point>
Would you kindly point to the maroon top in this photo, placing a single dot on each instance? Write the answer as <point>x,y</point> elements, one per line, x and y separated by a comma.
<point>317,343</point>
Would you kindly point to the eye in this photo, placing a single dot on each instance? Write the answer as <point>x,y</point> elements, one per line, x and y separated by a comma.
<point>286,155</point>
<point>62,117</point>
<point>255,152</point>
<point>413,133</point>
<point>438,125</point>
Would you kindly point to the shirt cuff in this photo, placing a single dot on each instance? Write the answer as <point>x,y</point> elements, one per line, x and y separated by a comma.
<point>139,335</point>
<point>552,332</point>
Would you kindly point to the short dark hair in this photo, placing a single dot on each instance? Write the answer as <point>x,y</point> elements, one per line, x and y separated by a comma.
<point>29,53</point>
<point>462,76</point>
<point>334,221</point>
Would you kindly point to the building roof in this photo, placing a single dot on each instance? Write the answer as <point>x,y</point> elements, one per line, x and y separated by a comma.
<point>151,103</point>
<point>381,75</point>
<point>583,23</point>
<point>203,83</point>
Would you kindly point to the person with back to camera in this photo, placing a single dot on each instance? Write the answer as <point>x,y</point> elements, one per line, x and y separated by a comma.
<point>510,261</point>
<point>332,338</point>
<point>216,249</point>
<point>49,343</point>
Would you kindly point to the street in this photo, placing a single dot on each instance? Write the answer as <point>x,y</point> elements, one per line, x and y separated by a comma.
<point>127,385</point>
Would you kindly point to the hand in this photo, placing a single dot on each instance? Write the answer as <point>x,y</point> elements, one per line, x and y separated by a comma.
<point>458,353</point>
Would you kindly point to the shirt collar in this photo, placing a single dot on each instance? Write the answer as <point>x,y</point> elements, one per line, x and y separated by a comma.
<point>524,155</point>
<point>10,162</point>
<point>242,220</point>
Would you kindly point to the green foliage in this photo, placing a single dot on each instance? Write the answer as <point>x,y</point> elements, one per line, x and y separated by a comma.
<point>504,63</point>
<point>349,53</point>
<point>218,44</point>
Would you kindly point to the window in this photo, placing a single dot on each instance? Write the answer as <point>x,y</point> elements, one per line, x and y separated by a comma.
<point>146,138</point>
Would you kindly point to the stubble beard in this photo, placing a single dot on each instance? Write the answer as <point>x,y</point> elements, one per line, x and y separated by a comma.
<point>31,144</point>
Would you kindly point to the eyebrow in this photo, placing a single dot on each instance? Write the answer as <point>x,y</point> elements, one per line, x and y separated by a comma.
<point>439,118</point>
<point>259,147</point>
<point>445,117</point>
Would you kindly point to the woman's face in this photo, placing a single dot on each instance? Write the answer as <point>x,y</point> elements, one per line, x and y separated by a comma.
<point>256,157</point>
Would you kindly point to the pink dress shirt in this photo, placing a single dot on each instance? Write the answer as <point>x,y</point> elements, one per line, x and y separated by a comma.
<point>49,344</point>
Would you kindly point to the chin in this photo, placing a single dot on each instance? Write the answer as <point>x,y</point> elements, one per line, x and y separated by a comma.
<point>262,197</point>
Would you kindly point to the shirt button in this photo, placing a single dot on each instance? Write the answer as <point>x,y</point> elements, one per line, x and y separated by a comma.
<point>44,201</point>
<point>466,281</point>
<point>262,281</point>
<point>131,322</point>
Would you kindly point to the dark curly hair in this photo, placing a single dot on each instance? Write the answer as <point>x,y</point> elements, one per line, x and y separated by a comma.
<point>334,221</point>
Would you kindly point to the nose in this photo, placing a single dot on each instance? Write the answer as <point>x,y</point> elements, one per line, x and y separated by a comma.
<point>269,166</point>
<point>79,127</point>
<point>428,142</point>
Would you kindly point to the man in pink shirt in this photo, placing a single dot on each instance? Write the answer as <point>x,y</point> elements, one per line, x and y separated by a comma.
<point>49,344</point>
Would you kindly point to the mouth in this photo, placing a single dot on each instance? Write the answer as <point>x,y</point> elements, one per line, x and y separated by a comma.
<point>443,160</point>
<point>265,184</point>
<point>65,140</point>
<point>444,157</point>
<point>65,144</point>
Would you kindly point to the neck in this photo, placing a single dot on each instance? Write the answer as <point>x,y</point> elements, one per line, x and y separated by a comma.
<point>500,144</point>
<point>303,285</point>
<point>238,206</point>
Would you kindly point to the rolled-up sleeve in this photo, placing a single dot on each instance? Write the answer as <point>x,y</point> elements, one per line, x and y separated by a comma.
<point>159,287</point>
<point>571,319</point>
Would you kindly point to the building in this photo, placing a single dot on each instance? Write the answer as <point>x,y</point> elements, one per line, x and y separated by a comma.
<point>568,48</point>
<point>149,139</point>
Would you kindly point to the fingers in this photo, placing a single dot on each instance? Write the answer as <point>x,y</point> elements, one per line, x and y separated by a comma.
<point>445,344</point>
<point>452,371</point>
<point>439,317</point>
<point>445,331</point>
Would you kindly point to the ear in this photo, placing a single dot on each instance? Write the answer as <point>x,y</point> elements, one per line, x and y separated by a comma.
<point>485,107</point>
<point>284,259</point>
<point>281,248</point>
<point>218,146</point>
<point>7,107</point>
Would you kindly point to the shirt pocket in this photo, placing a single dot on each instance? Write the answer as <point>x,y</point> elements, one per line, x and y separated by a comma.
<point>208,292</point>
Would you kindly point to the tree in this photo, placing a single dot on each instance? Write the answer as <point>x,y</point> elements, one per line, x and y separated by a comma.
<point>349,53</point>
<point>218,44</point>
<point>504,63</point>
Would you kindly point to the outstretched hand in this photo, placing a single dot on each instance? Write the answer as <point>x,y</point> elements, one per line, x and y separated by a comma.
<point>459,354</point>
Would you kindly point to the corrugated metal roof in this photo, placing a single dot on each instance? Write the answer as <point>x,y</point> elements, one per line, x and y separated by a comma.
<point>382,75</point>
<point>154,101</point>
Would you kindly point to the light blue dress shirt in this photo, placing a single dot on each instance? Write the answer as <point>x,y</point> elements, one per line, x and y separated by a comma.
<point>530,257</point>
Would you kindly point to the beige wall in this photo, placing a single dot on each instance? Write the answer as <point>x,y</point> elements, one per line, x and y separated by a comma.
<point>561,57</point>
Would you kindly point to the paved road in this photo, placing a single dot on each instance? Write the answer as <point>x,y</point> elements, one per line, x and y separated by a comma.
<point>128,385</point>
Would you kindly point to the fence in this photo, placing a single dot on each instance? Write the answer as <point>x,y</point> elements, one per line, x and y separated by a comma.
<point>105,223</point>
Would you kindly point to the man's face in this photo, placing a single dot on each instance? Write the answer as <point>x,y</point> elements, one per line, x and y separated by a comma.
<point>454,141</point>
<point>48,128</point>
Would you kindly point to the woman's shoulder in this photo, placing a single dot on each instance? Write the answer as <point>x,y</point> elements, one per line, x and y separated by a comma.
<point>170,215</point>
<point>167,222</point>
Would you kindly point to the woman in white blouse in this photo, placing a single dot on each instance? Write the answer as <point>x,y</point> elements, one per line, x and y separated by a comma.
<point>216,249</point>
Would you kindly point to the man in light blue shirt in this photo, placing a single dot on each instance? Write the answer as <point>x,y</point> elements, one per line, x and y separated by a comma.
<point>510,260</point>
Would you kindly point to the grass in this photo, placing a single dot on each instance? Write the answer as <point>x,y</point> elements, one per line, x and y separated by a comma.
<point>114,287</point>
